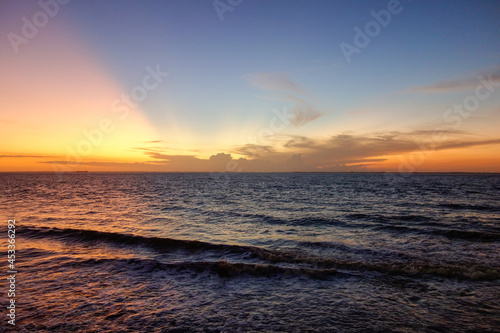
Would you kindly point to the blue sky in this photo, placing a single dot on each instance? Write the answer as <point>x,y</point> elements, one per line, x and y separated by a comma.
<point>227,76</point>
<point>208,59</point>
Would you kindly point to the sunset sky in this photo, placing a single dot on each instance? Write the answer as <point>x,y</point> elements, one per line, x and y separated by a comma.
<point>250,85</point>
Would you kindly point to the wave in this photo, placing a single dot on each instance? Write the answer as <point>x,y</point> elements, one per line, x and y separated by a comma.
<point>469,235</point>
<point>425,226</point>
<point>388,223</point>
<point>303,221</point>
<point>344,248</point>
<point>273,261</point>
<point>385,218</point>
<point>227,269</point>
<point>221,268</point>
<point>156,243</point>
<point>455,206</point>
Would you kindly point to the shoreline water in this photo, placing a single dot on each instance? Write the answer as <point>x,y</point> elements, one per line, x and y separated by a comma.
<point>269,252</point>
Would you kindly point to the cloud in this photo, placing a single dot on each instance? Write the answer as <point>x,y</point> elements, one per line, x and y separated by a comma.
<point>148,149</point>
<point>275,81</point>
<point>343,148</point>
<point>160,156</point>
<point>159,149</point>
<point>433,132</point>
<point>303,111</point>
<point>343,151</point>
<point>466,144</point>
<point>27,156</point>
<point>97,163</point>
<point>253,150</point>
<point>336,153</point>
<point>296,141</point>
<point>491,75</point>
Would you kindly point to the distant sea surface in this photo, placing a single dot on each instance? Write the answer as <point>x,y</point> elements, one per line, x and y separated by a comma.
<point>292,252</point>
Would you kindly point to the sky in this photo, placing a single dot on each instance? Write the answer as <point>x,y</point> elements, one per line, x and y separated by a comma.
<point>250,86</point>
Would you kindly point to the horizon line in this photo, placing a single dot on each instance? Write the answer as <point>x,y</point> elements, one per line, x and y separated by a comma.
<point>248,172</point>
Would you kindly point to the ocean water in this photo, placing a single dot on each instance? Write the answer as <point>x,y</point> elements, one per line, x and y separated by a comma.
<point>292,252</point>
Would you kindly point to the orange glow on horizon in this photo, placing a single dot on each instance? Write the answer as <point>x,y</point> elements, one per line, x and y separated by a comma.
<point>479,159</point>
<point>66,110</point>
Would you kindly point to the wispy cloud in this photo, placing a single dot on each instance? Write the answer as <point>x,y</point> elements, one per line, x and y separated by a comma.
<point>491,74</point>
<point>359,151</point>
<point>148,149</point>
<point>253,150</point>
<point>296,141</point>
<point>27,156</point>
<point>288,91</point>
<point>275,81</point>
<point>160,149</point>
<point>340,152</point>
<point>303,112</point>
<point>432,132</point>
<point>466,144</point>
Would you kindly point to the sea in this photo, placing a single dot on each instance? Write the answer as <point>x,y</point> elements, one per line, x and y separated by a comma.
<point>252,252</point>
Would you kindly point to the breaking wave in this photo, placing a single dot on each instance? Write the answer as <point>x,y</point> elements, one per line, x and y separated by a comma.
<point>272,262</point>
